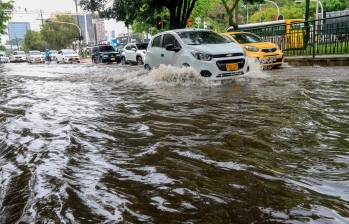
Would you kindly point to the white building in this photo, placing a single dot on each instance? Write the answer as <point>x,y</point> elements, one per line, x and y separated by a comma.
<point>100,31</point>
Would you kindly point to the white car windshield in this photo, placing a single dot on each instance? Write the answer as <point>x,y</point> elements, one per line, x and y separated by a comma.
<point>68,51</point>
<point>53,52</point>
<point>35,53</point>
<point>19,53</point>
<point>201,37</point>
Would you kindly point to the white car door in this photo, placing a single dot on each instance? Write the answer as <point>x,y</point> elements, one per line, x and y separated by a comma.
<point>60,56</point>
<point>170,55</point>
<point>155,51</point>
<point>128,52</point>
<point>133,53</point>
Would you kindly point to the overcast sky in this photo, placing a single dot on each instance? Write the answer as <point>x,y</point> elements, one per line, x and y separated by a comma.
<point>33,8</point>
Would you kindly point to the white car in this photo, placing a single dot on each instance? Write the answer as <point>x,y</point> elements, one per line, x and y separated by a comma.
<point>35,57</point>
<point>4,58</point>
<point>18,56</point>
<point>67,56</point>
<point>207,52</point>
<point>134,53</point>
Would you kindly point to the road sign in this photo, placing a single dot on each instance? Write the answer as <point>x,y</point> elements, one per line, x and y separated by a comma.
<point>190,22</point>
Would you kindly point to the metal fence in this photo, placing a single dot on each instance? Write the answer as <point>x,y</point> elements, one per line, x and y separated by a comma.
<point>316,37</point>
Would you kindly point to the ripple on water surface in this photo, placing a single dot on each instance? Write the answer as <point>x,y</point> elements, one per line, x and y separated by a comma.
<point>106,144</point>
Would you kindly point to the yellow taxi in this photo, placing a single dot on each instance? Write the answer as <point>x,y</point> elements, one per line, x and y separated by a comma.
<point>267,53</point>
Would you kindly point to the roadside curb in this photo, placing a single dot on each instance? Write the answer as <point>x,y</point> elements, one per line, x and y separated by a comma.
<point>323,60</point>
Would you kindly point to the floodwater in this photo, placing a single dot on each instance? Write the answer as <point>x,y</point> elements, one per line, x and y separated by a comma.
<point>109,144</point>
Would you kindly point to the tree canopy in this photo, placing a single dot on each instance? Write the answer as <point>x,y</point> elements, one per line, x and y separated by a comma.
<point>34,41</point>
<point>58,36</point>
<point>5,15</point>
<point>130,11</point>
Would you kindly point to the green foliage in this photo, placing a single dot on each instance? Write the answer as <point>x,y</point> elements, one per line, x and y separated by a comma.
<point>58,36</point>
<point>269,13</point>
<point>145,11</point>
<point>335,5</point>
<point>2,48</point>
<point>5,8</point>
<point>34,41</point>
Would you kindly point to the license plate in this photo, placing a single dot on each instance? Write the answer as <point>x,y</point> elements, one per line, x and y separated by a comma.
<point>232,67</point>
<point>272,59</point>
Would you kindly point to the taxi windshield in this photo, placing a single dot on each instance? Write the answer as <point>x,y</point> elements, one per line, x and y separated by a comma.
<point>246,38</point>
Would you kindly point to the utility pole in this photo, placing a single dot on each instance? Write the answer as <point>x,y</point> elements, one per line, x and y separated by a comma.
<point>77,17</point>
<point>42,18</point>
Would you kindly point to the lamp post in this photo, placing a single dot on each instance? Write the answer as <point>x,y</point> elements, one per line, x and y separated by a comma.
<point>276,5</point>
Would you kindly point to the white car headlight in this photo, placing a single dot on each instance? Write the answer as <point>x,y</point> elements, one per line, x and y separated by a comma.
<point>201,56</point>
<point>252,48</point>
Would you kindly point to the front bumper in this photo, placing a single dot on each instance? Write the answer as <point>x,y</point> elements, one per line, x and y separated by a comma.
<point>267,59</point>
<point>19,60</point>
<point>111,58</point>
<point>216,68</point>
<point>36,60</point>
<point>72,59</point>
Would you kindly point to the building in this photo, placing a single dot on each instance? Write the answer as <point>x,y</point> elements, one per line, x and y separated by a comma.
<point>100,32</point>
<point>113,34</point>
<point>87,36</point>
<point>17,32</point>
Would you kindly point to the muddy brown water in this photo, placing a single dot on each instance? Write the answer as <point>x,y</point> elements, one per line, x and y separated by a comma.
<point>113,144</point>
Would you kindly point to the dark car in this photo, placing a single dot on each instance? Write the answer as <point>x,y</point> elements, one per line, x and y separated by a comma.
<point>105,54</point>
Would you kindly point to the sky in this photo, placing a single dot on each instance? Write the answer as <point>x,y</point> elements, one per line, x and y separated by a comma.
<point>33,8</point>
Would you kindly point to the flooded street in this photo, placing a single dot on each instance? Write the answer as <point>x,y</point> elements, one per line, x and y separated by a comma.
<point>108,144</point>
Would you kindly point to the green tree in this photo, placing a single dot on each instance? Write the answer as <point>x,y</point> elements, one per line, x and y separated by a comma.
<point>5,9</point>
<point>2,48</point>
<point>231,6</point>
<point>34,41</point>
<point>58,36</point>
<point>335,5</point>
<point>130,11</point>
<point>268,13</point>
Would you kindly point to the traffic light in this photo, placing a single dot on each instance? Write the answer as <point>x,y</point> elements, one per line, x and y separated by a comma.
<point>159,23</point>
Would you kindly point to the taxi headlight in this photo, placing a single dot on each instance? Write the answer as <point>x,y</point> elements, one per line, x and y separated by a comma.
<point>252,48</point>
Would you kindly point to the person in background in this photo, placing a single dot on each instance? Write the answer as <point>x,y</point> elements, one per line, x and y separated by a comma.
<point>47,55</point>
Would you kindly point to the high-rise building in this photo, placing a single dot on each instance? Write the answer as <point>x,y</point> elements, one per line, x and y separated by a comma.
<point>100,33</point>
<point>88,36</point>
<point>17,32</point>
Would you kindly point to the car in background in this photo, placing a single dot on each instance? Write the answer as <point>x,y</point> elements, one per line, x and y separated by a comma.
<point>267,53</point>
<point>67,56</point>
<point>35,57</point>
<point>18,56</point>
<point>3,57</point>
<point>207,52</point>
<point>105,54</point>
<point>134,53</point>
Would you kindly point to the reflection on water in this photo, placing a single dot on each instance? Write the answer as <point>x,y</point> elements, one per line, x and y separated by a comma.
<point>106,144</point>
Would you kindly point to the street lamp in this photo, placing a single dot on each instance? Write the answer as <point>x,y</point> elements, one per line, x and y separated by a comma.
<point>276,5</point>
<point>318,3</point>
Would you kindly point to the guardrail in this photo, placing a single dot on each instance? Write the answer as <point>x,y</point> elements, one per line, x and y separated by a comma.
<point>317,37</point>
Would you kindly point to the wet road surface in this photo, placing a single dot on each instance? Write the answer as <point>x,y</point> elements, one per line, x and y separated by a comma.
<point>109,144</point>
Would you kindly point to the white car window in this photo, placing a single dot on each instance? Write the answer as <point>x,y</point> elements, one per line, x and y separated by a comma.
<point>169,39</point>
<point>68,51</point>
<point>201,37</point>
<point>156,42</point>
